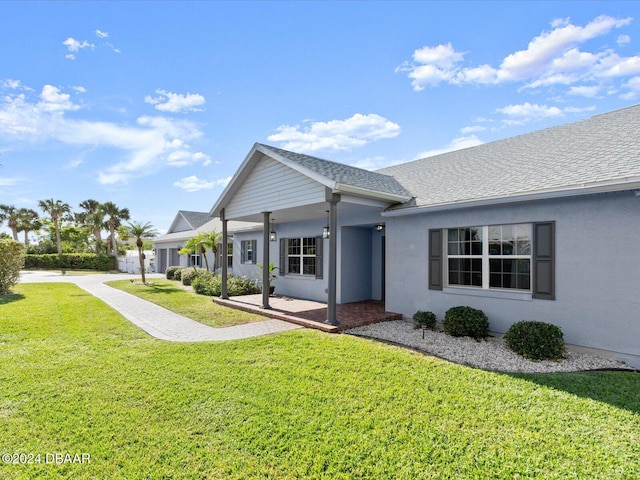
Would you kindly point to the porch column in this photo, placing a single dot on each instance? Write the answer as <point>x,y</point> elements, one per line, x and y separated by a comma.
<point>333,200</point>
<point>223,290</point>
<point>265,261</point>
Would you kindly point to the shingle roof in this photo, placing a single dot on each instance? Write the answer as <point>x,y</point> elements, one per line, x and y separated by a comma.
<point>195,219</point>
<point>344,174</point>
<point>603,148</point>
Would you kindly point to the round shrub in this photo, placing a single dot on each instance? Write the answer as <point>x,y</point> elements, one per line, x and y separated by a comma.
<point>11,261</point>
<point>171,271</point>
<point>424,319</point>
<point>536,340</point>
<point>189,274</point>
<point>466,322</point>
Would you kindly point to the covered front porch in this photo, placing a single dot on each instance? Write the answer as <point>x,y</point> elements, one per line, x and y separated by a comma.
<point>312,314</point>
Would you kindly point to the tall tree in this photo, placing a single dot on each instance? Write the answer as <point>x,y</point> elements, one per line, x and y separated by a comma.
<point>92,218</point>
<point>58,211</point>
<point>203,242</point>
<point>28,221</point>
<point>9,214</point>
<point>213,240</point>
<point>115,216</point>
<point>141,232</point>
<point>190,248</point>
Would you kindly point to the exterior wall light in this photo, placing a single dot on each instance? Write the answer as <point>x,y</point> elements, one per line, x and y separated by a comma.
<point>326,233</point>
<point>272,234</point>
<point>379,227</point>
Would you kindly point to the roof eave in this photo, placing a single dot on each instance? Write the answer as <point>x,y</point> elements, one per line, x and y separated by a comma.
<point>364,192</point>
<point>631,183</point>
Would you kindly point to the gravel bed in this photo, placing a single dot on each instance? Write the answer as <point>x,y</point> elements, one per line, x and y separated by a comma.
<point>489,354</point>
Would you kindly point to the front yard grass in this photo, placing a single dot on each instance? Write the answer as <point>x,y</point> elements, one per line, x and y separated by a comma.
<point>170,295</point>
<point>76,377</point>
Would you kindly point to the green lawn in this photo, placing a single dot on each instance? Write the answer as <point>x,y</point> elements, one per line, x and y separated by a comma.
<point>170,295</point>
<point>76,377</point>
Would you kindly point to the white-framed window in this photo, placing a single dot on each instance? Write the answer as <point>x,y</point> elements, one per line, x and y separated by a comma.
<point>489,256</point>
<point>248,250</point>
<point>229,255</point>
<point>196,259</point>
<point>301,256</point>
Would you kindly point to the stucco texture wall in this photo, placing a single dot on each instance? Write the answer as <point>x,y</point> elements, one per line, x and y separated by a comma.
<point>597,269</point>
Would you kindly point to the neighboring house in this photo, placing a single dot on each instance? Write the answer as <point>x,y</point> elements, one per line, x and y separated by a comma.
<point>543,226</point>
<point>187,225</point>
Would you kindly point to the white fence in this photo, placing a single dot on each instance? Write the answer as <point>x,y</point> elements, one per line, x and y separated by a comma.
<point>130,263</point>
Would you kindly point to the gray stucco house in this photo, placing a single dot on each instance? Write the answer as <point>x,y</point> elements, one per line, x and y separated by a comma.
<point>543,226</point>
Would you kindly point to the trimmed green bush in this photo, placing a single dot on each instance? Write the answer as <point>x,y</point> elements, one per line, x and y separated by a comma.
<point>210,284</point>
<point>177,275</point>
<point>424,319</point>
<point>536,340</point>
<point>170,272</point>
<point>11,261</point>
<point>466,322</point>
<point>70,261</point>
<point>189,274</point>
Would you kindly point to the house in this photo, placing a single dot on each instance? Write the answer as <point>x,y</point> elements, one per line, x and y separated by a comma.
<point>543,226</point>
<point>186,225</point>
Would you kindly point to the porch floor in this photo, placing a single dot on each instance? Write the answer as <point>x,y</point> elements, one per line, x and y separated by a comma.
<point>312,314</point>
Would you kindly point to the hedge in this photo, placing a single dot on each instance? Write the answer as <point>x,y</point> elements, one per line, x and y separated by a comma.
<point>11,261</point>
<point>70,261</point>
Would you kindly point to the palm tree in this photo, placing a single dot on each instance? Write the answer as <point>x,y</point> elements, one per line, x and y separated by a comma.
<point>203,242</point>
<point>214,239</point>
<point>140,231</point>
<point>189,247</point>
<point>28,221</point>
<point>59,212</point>
<point>9,214</point>
<point>115,216</point>
<point>92,218</point>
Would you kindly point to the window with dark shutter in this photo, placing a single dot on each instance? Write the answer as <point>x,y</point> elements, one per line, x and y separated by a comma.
<point>435,259</point>
<point>319,249</point>
<point>283,257</point>
<point>544,261</point>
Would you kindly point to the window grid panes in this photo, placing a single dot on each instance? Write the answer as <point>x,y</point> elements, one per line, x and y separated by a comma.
<point>301,256</point>
<point>495,256</point>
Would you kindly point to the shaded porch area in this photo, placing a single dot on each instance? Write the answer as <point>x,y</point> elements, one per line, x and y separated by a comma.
<point>312,314</point>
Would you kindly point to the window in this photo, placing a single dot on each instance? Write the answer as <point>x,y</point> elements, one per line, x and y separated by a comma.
<point>229,255</point>
<point>301,256</point>
<point>196,260</point>
<point>496,256</point>
<point>248,251</point>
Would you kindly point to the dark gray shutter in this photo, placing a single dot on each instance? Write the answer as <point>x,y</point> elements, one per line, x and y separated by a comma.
<point>319,248</point>
<point>435,259</point>
<point>254,251</point>
<point>283,256</point>
<point>243,251</point>
<point>543,268</point>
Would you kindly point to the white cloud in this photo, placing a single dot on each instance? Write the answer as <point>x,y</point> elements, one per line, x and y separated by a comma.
<point>528,112</point>
<point>552,58</point>
<point>455,144</point>
<point>175,102</point>
<point>8,182</point>
<point>346,134</point>
<point>151,144</point>
<point>623,40</point>
<point>194,184</point>
<point>101,34</point>
<point>74,46</point>
<point>634,89</point>
<point>585,91</point>
<point>472,129</point>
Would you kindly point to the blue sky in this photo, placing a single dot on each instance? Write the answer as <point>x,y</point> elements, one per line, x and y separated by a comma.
<point>154,105</point>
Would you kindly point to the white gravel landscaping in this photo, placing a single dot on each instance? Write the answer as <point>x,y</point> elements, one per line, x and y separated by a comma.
<point>489,354</point>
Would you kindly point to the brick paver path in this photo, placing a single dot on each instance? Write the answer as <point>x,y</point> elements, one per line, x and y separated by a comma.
<point>153,319</point>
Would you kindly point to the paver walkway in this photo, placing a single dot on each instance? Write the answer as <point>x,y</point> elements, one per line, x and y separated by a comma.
<point>153,319</point>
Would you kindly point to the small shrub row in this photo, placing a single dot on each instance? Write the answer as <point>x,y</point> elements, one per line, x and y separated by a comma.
<point>536,340</point>
<point>466,322</point>
<point>70,261</point>
<point>424,320</point>
<point>187,275</point>
<point>210,284</point>
<point>170,272</point>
